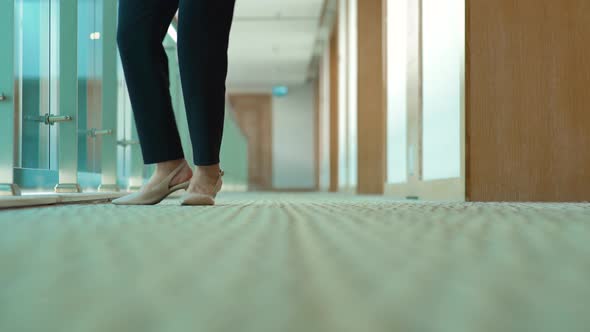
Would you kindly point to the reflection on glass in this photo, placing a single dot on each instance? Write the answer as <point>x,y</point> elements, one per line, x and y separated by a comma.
<point>397,34</point>
<point>444,35</point>
<point>33,22</point>
<point>89,84</point>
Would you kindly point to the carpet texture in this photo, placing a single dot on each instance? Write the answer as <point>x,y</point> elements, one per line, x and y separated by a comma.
<point>296,262</point>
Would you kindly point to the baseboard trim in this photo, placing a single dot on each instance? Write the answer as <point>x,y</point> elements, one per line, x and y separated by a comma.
<point>452,190</point>
<point>31,200</point>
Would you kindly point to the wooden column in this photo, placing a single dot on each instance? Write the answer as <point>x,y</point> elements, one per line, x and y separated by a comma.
<point>372,110</point>
<point>254,116</point>
<point>334,154</point>
<point>528,105</point>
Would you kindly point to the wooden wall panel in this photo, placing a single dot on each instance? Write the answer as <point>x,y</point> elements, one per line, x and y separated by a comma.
<point>254,116</point>
<point>528,100</point>
<point>372,110</point>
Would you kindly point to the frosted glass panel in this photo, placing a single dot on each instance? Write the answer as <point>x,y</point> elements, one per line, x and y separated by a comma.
<point>397,32</point>
<point>89,84</point>
<point>35,79</point>
<point>342,96</point>
<point>444,35</point>
<point>352,93</point>
<point>325,121</point>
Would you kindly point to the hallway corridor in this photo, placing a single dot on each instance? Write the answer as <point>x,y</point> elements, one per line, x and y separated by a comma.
<point>296,262</point>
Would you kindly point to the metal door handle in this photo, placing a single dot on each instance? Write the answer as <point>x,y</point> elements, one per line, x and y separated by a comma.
<point>3,97</point>
<point>50,119</point>
<point>97,132</point>
<point>127,142</point>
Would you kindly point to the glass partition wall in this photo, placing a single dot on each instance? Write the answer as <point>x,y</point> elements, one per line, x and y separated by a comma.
<point>9,121</point>
<point>63,50</point>
<point>35,86</point>
<point>89,85</point>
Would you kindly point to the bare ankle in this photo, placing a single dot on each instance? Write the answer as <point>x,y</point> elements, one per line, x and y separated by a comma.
<point>169,166</point>
<point>211,171</point>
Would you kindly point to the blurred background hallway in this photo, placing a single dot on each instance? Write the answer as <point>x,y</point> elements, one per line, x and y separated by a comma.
<point>411,165</point>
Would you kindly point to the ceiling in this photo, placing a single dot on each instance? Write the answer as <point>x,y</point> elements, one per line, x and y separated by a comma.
<point>272,42</point>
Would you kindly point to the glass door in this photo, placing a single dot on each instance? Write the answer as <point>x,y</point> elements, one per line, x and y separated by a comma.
<point>35,86</point>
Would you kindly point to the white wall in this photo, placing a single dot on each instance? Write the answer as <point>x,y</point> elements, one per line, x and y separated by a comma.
<point>293,139</point>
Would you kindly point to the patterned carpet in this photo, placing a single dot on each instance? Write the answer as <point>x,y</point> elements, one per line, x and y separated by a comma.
<point>296,262</point>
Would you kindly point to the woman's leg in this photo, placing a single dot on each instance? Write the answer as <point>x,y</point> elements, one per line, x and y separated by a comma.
<point>203,35</point>
<point>143,25</point>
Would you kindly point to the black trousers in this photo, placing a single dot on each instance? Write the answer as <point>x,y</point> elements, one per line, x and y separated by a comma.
<point>203,33</point>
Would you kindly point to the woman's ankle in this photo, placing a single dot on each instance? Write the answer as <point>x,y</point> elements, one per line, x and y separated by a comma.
<point>169,166</point>
<point>211,171</point>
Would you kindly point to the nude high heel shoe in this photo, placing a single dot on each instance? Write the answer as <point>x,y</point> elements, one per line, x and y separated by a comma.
<point>198,199</point>
<point>156,194</point>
